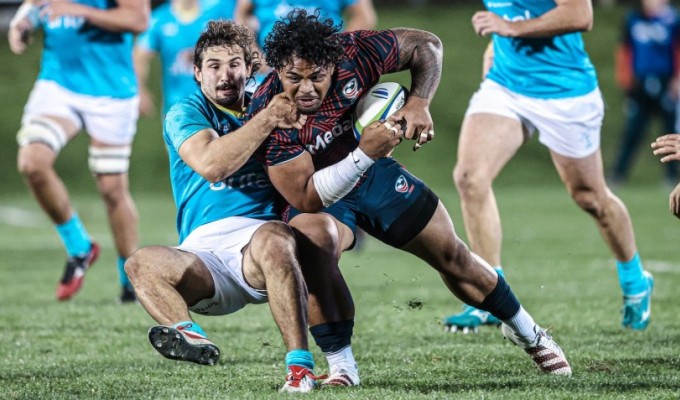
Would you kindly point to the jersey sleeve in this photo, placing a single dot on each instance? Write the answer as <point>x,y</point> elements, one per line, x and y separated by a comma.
<point>282,144</point>
<point>182,121</point>
<point>376,52</point>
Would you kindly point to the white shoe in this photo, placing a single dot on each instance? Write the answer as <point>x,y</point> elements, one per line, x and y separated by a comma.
<point>299,380</point>
<point>342,376</point>
<point>542,349</point>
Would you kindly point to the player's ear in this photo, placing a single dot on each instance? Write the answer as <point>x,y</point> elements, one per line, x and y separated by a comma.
<point>197,74</point>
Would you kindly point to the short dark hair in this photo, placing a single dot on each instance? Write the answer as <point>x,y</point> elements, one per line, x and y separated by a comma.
<point>227,34</point>
<point>305,36</point>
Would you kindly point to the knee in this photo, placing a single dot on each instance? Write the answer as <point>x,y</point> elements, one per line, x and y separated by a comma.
<point>456,259</point>
<point>271,242</point>
<point>471,183</point>
<point>590,202</point>
<point>316,232</point>
<point>31,166</point>
<point>143,265</point>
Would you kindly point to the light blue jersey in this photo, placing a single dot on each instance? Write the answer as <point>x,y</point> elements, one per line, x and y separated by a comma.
<point>269,11</point>
<point>86,59</point>
<point>246,193</point>
<point>174,41</point>
<point>549,68</point>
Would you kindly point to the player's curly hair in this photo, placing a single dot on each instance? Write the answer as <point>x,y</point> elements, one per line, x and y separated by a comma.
<point>227,34</point>
<point>305,36</point>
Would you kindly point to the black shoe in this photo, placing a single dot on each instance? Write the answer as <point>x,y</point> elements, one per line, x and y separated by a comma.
<point>127,295</point>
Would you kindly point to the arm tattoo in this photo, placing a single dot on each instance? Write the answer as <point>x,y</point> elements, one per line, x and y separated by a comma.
<point>420,52</point>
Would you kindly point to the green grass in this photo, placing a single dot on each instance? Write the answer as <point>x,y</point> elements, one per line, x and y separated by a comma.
<point>557,264</point>
<point>555,260</point>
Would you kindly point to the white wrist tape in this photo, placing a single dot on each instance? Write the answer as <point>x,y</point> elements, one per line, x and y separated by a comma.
<point>334,182</point>
<point>26,11</point>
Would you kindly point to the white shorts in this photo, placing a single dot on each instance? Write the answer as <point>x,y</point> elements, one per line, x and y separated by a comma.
<point>219,244</point>
<point>569,127</point>
<point>109,120</point>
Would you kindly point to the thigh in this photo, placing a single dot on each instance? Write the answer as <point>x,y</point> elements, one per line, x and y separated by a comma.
<point>492,131</point>
<point>581,174</point>
<point>109,121</point>
<point>48,99</point>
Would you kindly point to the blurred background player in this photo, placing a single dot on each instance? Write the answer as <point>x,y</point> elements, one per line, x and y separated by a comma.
<point>668,147</point>
<point>541,79</point>
<point>647,67</point>
<point>173,30</point>
<point>86,81</point>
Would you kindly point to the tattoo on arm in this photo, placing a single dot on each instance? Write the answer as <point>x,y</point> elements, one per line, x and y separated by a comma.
<point>421,52</point>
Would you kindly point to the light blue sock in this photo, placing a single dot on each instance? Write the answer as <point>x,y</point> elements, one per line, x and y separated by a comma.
<point>631,279</point>
<point>74,236</point>
<point>122,276</point>
<point>191,326</point>
<point>299,357</point>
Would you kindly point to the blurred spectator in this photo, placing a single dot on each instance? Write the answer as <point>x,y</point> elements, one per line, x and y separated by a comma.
<point>647,70</point>
<point>173,31</point>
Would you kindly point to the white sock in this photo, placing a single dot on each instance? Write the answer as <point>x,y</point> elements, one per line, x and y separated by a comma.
<point>342,359</point>
<point>523,325</point>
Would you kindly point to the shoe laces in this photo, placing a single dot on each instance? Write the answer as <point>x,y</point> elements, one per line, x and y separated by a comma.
<point>297,373</point>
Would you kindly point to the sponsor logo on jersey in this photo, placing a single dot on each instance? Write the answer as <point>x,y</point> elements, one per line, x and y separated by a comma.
<point>351,89</point>
<point>323,140</point>
<point>250,180</point>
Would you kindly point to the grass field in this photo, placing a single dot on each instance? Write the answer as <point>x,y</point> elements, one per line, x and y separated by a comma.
<point>556,262</point>
<point>93,348</point>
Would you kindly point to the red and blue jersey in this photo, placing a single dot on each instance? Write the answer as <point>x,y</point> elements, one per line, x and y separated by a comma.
<point>328,134</point>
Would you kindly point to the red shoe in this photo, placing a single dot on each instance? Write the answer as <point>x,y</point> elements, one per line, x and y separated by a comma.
<point>74,273</point>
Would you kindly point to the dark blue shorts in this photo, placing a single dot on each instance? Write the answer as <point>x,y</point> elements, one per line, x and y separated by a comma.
<point>390,204</point>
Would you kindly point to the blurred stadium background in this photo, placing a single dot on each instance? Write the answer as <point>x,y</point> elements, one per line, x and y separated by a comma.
<point>463,49</point>
<point>93,348</point>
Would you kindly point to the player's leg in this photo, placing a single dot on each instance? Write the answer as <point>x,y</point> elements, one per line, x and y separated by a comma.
<point>109,164</point>
<point>111,134</point>
<point>47,125</point>
<point>167,281</point>
<point>473,281</point>
<point>270,262</point>
<point>585,182</point>
<point>638,111</point>
<point>486,143</point>
<point>321,239</point>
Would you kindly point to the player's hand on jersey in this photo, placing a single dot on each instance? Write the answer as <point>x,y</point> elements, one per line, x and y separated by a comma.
<point>19,36</point>
<point>485,23</point>
<point>284,114</point>
<point>674,201</point>
<point>380,138</point>
<point>415,114</point>
<point>667,146</point>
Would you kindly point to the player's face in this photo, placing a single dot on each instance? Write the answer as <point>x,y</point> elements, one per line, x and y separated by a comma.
<point>306,83</point>
<point>223,76</point>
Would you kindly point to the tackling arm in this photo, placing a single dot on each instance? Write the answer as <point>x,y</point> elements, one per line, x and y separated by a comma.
<point>216,157</point>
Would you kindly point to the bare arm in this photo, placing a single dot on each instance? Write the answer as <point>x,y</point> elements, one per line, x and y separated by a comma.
<point>487,60</point>
<point>567,16</point>
<point>301,185</point>
<point>216,157</point>
<point>142,60</point>
<point>25,20</point>
<point>127,16</point>
<point>420,52</point>
<point>361,16</point>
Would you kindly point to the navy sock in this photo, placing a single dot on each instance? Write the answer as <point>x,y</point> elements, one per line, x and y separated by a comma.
<point>333,336</point>
<point>501,302</point>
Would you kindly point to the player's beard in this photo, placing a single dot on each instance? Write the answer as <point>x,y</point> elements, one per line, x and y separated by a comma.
<point>232,98</point>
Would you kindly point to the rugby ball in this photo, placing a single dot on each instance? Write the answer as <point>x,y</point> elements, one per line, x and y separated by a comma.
<point>381,101</point>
